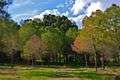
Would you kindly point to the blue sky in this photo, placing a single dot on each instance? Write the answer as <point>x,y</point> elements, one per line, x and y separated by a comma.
<point>74,9</point>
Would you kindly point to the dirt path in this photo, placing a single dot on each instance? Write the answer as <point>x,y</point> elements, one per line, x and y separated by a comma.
<point>8,72</point>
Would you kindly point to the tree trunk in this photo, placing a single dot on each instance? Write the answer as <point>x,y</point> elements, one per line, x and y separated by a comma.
<point>119,58</point>
<point>95,61</point>
<point>102,62</point>
<point>12,65</point>
<point>32,62</point>
<point>95,53</point>
<point>86,63</point>
<point>12,58</point>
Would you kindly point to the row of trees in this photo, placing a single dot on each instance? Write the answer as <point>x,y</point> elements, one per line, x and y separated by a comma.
<point>57,40</point>
<point>44,40</point>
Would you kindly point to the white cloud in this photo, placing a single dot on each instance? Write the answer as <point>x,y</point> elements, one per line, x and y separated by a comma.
<point>46,12</point>
<point>79,4</point>
<point>60,5</point>
<point>65,14</point>
<point>93,7</point>
<point>78,20</point>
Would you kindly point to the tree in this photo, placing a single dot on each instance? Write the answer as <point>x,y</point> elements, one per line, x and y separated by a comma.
<point>55,40</point>
<point>82,44</point>
<point>4,4</point>
<point>8,35</point>
<point>34,49</point>
<point>25,32</point>
<point>8,29</point>
<point>62,23</point>
<point>102,27</point>
<point>112,24</point>
<point>96,34</point>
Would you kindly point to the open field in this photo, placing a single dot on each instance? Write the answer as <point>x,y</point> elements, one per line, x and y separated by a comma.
<point>24,73</point>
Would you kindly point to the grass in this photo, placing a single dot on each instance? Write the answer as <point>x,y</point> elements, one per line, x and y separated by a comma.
<point>22,73</point>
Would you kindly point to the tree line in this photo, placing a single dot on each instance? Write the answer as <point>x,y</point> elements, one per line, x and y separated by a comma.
<point>55,40</point>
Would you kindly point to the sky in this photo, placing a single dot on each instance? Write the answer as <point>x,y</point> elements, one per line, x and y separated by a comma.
<point>75,10</point>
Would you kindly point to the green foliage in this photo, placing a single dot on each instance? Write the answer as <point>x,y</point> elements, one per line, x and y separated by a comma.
<point>25,32</point>
<point>103,28</point>
<point>8,34</point>
<point>62,23</point>
<point>72,34</point>
<point>54,39</point>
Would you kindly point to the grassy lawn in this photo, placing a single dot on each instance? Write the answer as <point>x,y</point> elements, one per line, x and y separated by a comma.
<point>23,73</point>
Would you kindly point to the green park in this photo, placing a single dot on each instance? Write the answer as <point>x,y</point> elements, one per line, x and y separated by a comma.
<point>55,47</point>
